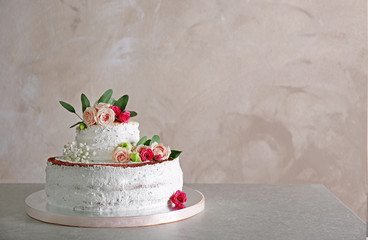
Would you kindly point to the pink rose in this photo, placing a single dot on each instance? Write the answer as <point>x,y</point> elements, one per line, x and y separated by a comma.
<point>146,155</point>
<point>178,198</point>
<point>89,116</point>
<point>158,157</point>
<point>116,110</point>
<point>105,116</point>
<point>159,149</point>
<point>124,117</point>
<point>98,106</point>
<point>121,155</point>
<point>139,148</point>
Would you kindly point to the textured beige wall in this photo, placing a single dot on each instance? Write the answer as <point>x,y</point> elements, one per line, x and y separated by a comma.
<point>251,91</point>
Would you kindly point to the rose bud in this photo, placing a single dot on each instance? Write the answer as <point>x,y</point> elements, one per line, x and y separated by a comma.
<point>126,145</point>
<point>135,157</point>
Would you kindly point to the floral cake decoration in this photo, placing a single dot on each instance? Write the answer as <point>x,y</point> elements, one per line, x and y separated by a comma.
<point>104,112</point>
<point>145,150</point>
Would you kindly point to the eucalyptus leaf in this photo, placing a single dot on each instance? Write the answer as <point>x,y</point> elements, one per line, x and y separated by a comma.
<point>85,102</point>
<point>155,138</point>
<point>133,114</point>
<point>122,102</point>
<point>112,101</point>
<point>67,106</point>
<point>174,154</point>
<point>75,124</point>
<point>141,141</point>
<point>148,142</point>
<point>105,97</point>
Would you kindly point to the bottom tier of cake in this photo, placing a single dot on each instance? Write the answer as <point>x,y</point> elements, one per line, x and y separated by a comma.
<point>112,187</point>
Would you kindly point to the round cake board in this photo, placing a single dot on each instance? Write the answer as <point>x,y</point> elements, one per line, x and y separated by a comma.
<point>37,208</point>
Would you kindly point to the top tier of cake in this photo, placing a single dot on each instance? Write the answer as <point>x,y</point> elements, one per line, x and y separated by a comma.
<point>108,135</point>
<point>102,140</point>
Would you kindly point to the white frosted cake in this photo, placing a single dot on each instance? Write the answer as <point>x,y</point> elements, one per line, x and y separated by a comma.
<point>110,168</point>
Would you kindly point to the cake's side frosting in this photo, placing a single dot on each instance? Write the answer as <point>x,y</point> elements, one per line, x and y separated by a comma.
<point>103,139</point>
<point>108,188</point>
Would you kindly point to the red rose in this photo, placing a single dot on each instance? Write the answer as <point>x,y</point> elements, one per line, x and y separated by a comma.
<point>146,155</point>
<point>124,117</point>
<point>139,148</point>
<point>178,198</point>
<point>116,109</point>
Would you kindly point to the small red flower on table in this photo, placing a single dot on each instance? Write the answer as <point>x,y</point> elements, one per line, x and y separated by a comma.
<point>178,198</point>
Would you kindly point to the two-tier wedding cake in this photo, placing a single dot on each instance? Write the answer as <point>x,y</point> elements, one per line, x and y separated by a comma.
<point>109,167</point>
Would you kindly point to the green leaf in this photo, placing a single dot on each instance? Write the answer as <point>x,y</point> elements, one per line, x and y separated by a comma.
<point>67,106</point>
<point>133,114</point>
<point>75,124</point>
<point>174,154</point>
<point>148,142</point>
<point>85,102</point>
<point>112,101</point>
<point>122,102</point>
<point>141,141</point>
<point>105,97</point>
<point>155,138</point>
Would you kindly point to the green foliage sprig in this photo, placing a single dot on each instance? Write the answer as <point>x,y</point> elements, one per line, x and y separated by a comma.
<point>122,102</point>
<point>174,154</point>
<point>142,141</point>
<point>105,98</point>
<point>85,102</point>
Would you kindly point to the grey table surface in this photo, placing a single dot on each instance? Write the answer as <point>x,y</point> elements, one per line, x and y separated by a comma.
<point>233,211</point>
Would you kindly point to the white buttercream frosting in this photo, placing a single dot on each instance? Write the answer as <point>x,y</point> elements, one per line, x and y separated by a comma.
<point>102,140</point>
<point>107,188</point>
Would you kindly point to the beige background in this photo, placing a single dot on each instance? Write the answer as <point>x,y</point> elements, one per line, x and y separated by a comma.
<point>251,91</point>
